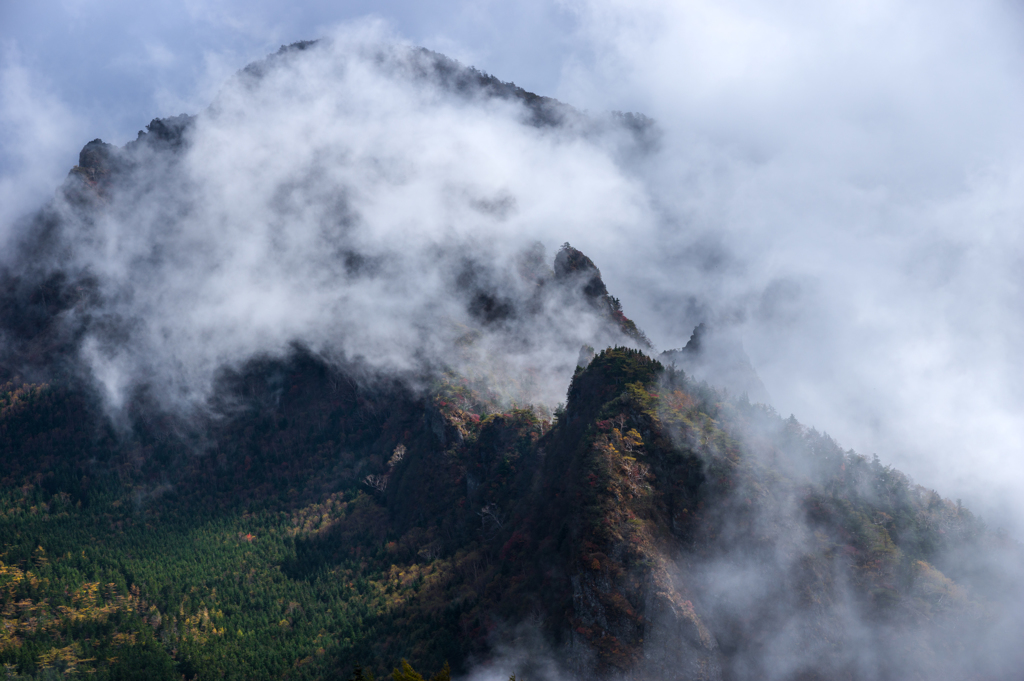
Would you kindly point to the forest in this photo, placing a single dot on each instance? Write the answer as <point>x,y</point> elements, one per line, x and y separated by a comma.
<point>323,508</point>
<point>273,556</point>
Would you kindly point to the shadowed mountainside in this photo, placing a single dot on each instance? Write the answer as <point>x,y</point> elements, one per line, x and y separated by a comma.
<point>316,511</point>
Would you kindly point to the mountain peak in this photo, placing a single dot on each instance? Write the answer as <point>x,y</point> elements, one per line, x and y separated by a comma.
<point>311,336</point>
<point>717,356</point>
<point>572,266</point>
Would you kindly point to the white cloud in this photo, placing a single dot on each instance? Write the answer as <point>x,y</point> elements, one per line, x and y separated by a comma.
<point>865,160</point>
<point>38,138</point>
<point>243,245</point>
<point>843,177</point>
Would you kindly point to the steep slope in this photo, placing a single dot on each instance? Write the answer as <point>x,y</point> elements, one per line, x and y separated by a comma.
<point>372,476</point>
<point>652,530</point>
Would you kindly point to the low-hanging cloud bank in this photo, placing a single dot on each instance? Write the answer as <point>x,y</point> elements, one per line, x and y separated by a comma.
<point>354,197</point>
<point>843,183</point>
<point>850,203</point>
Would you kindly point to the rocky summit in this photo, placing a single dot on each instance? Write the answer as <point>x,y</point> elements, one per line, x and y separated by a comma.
<point>231,448</point>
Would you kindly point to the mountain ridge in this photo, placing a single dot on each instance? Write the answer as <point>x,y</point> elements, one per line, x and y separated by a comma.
<point>315,510</point>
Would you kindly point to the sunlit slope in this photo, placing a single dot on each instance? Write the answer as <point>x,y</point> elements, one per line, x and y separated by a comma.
<point>248,432</point>
<point>651,527</point>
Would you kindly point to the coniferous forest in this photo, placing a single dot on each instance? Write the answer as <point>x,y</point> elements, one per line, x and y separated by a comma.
<point>318,515</point>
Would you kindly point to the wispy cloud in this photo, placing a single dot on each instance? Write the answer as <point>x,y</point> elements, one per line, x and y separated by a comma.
<point>841,181</point>
<point>342,201</point>
<point>39,136</point>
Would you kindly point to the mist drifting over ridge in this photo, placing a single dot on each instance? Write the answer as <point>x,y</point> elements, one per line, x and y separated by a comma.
<point>344,196</point>
<point>347,197</point>
<point>853,203</point>
<point>841,181</point>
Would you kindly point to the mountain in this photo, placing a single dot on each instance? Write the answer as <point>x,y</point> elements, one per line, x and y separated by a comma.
<point>253,426</point>
<point>718,357</point>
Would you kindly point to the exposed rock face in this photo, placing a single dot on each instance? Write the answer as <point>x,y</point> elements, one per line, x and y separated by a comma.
<point>96,161</point>
<point>677,643</point>
<point>654,528</point>
<point>579,271</point>
<point>100,163</point>
<point>165,133</point>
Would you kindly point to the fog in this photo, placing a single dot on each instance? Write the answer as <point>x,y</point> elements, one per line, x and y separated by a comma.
<point>841,185</point>
<point>842,182</point>
<point>341,199</point>
<point>39,129</point>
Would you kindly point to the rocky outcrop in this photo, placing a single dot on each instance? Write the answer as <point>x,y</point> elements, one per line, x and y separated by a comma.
<point>98,162</point>
<point>574,269</point>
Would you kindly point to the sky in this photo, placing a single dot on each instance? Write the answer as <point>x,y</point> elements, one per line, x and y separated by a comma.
<point>841,183</point>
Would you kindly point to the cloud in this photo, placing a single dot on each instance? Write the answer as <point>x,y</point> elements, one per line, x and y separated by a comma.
<point>841,181</point>
<point>38,136</point>
<point>337,197</point>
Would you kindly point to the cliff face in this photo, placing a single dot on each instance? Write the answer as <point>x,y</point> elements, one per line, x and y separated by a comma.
<point>317,507</point>
<point>652,530</point>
